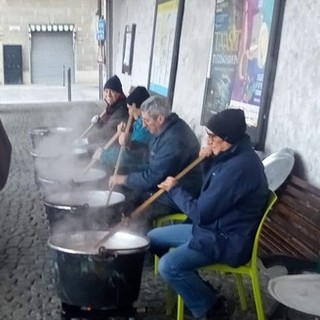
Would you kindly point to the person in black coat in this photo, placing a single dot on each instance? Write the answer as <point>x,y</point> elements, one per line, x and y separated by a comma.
<point>5,156</point>
<point>223,219</point>
<point>105,125</point>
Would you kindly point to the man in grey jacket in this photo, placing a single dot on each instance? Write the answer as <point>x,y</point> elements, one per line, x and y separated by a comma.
<point>173,147</point>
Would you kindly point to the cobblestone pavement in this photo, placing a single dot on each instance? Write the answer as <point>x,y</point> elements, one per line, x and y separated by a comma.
<point>27,290</point>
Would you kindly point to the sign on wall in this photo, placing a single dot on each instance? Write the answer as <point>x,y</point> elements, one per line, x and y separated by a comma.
<point>101,30</point>
<point>164,56</point>
<point>243,61</point>
<point>128,48</point>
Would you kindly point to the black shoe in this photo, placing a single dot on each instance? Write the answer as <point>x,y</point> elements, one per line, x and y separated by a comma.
<point>222,310</point>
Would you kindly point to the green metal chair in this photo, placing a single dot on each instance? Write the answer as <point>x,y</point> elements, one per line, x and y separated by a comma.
<point>250,269</point>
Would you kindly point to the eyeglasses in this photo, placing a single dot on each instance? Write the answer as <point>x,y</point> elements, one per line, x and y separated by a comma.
<point>211,136</point>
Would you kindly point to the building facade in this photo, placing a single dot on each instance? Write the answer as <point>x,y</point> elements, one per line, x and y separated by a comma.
<point>42,42</point>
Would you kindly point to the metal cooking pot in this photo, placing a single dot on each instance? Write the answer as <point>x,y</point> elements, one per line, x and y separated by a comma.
<point>50,157</point>
<point>87,278</point>
<point>52,160</point>
<point>68,179</point>
<point>83,210</point>
<point>38,134</point>
<point>76,153</point>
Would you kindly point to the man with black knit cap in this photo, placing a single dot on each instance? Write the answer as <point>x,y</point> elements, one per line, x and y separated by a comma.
<point>115,112</point>
<point>224,218</point>
<point>135,156</point>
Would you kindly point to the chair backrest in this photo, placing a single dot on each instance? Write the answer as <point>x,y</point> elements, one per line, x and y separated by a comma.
<point>271,201</point>
<point>277,167</point>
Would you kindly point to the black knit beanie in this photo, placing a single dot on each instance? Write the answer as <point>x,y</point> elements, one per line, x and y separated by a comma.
<point>229,125</point>
<point>114,84</point>
<point>137,96</point>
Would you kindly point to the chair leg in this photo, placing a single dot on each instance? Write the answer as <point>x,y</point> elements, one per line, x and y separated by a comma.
<point>241,292</point>
<point>155,265</point>
<point>257,295</point>
<point>171,299</point>
<point>180,308</point>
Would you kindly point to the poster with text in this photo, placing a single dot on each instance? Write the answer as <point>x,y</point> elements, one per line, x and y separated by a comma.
<point>164,37</point>
<point>243,61</point>
<point>248,81</point>
<point>224,56</point>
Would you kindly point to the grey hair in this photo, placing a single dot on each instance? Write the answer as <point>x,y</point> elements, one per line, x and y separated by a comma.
<point>156,106</point>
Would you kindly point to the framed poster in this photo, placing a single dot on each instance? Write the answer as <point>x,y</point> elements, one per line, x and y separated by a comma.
<point>243,61</point>
<point>128,47</point>
<point>165,47</point>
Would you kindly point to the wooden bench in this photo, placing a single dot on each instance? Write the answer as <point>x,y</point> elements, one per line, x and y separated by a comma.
<point>291,233</point>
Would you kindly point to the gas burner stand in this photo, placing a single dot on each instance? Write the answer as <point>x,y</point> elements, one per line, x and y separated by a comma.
<point>69,312</point>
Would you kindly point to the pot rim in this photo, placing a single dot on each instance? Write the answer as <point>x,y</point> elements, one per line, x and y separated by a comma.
<point>62,206</point>
<point>37,156</point>
<point>96,251</point>
<point>43,130</point>
<point>72,182</point>
<point>78,151</point>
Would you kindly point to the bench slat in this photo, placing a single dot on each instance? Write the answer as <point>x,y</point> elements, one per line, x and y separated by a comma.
<point>296,223</point>
<point>293,226</point>
<point>285,243</point>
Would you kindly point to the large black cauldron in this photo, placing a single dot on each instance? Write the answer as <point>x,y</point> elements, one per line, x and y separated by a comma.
<point>87,278</point>
<point>51,157</point>
<point>83,210</point>
<point>60,135</point>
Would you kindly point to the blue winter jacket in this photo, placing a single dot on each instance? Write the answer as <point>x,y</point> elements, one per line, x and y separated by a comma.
<point>135,158</point>
<point>170,151</point>
<point>227,213</point>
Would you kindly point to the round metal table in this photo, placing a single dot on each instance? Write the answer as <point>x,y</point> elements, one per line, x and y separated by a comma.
<point>300,292</point>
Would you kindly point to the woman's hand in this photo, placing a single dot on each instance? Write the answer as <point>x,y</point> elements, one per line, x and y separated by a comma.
<point>120,127</point>
<point>168,183</point>
<point>95,119</point>
<point>123,139</point>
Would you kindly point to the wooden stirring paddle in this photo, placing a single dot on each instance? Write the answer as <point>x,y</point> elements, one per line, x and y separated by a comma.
<point>105,147</point>
<point>126,131</point>
<point>135,213</point>
<point>90,127</point>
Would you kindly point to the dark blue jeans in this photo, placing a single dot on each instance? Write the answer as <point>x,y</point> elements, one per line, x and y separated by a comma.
<point>178,267</point>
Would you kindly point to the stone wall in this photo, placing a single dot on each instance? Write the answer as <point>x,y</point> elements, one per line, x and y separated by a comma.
<point>16,15</point>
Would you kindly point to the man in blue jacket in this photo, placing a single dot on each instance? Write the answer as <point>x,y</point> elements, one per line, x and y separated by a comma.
<point>224,217</point>
<point>173,147</point>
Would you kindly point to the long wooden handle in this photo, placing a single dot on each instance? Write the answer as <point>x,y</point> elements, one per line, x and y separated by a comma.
<point>156,195</point>
<point>135,213</point>
<point>111,141</point>
<point>91,126</point>
<point>105,147</point>
<point>126,130</point>
<point>86,131</point>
